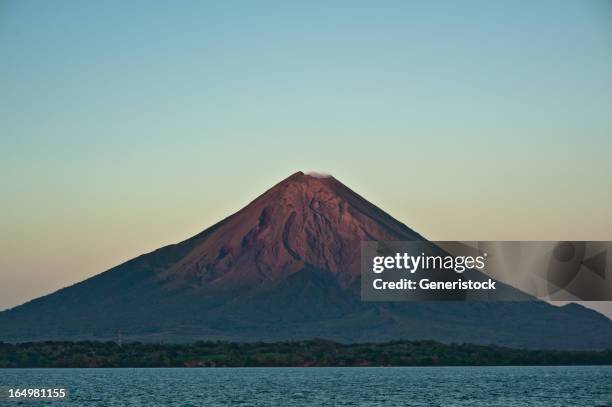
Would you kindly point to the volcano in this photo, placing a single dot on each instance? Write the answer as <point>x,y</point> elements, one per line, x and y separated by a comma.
<point>285,267</point>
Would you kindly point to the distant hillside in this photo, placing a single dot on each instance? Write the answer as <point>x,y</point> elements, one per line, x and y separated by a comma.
<point>285,267</point>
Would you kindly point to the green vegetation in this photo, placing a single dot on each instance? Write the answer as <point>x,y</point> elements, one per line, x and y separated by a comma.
<point>302,353</point>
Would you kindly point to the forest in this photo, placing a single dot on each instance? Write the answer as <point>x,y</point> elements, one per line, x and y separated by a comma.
<point>317,352</point>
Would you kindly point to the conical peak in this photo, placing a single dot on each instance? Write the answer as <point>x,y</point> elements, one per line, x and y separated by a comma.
<point>306,177</point>
<point>318,174</point>
<point>303,221</point>
<point>306,189</point>
<point>303,182</point>
<point>326,195</point>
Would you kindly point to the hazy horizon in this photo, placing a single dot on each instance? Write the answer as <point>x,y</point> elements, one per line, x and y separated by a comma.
<point>131,127</point>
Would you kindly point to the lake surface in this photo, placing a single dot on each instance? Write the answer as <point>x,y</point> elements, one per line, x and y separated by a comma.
<point>410,386</point>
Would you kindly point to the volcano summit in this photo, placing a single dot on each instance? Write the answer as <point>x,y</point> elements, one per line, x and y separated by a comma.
<point>286,266</point>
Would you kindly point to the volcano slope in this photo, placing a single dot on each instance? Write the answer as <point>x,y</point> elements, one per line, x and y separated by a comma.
<point>285,267</point>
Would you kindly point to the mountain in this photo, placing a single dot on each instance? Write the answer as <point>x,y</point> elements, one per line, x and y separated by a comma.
<point>286,266</point>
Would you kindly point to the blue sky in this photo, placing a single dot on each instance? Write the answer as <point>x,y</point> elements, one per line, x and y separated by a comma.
<point>128,126</point>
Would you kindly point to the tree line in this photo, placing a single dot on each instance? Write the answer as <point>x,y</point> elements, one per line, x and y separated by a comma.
<point>316,352</point>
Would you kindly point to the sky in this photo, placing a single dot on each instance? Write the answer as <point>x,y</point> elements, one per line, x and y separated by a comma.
<point>126,126</point>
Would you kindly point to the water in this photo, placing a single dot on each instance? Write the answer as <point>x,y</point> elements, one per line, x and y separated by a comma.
<point>411,386</point>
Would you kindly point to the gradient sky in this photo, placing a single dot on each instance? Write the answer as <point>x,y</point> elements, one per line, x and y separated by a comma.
<point>125,127</point>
